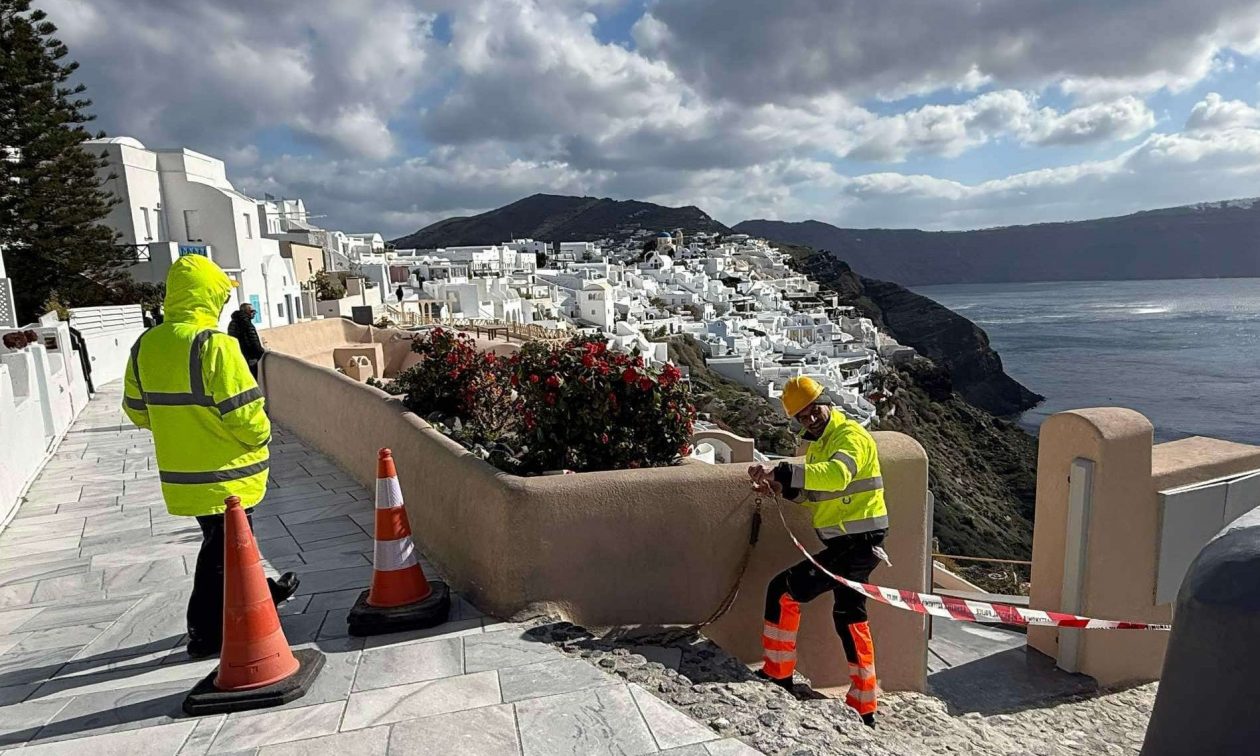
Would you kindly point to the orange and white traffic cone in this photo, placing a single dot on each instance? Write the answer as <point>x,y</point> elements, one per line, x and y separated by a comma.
<point>401,597</point>
<point>256,667</point>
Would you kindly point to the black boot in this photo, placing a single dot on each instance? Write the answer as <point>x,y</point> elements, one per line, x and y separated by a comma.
<point>869,720</point>
<point>783,682</point>
<point>284,588</point>
<point>203,648</point>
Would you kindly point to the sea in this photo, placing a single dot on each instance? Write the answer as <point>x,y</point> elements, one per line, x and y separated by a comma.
<point>1185,353</point>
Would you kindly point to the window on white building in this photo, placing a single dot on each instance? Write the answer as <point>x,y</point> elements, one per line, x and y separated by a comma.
<point>280,309</point>
<point>162,234</point>
<point>192,229</point>
<point>148,228</point>
<point>249,227</point>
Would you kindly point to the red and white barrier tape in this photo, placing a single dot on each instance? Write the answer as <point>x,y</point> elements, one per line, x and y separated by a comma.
<point>969,611</point>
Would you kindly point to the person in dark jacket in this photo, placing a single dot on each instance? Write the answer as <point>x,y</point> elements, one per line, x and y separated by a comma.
<point>399,293</point>
<point>242,329</point>
<point>80,345</point>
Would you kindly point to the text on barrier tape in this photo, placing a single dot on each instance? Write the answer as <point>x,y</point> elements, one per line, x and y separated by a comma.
<point>969,611</point>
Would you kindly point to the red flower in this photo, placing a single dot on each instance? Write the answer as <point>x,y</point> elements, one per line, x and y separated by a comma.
<point>646,383</point>
<point>629,376</point>
<point>553,381</point>
<point>684,450</point>
<point>454,374</point>
<point>533,378</point>
<point>515,380</point>
<point>588,361</point>
<point>451,359</point>
<point>604,370</point>
<point>603,438</point>
<point>489,358</point>
<point>551,399</point>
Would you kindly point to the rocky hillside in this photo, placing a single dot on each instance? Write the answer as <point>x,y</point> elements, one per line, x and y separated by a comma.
<point>1197,241</point>
<point>936,332</point>
<point>553,218</point>
<point>982,468</point>
<point>732,406</point>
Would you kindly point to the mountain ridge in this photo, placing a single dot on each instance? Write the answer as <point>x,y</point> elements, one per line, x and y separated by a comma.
<point>1203,240</point>
<point>555,217</point>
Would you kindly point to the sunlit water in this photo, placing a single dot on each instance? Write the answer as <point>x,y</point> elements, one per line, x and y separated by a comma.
<point>1184,353</point>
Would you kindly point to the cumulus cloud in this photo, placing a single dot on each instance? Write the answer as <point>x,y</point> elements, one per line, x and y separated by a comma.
<point>1164,170</point>
<point>1214,113</point>
<point>212,75</point>
<point>950,130</point>
<point>900,47</point>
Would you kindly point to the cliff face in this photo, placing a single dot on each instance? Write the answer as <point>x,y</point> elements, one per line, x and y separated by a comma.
<point>1208,240</point>
<point>938,333</point>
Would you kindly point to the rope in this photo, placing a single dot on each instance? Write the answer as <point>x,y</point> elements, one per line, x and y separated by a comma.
<point>753,535</point>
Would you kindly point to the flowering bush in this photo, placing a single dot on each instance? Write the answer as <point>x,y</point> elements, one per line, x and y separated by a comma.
<point>574,406</point>
<point>455,381</point>
<point>585,408</point>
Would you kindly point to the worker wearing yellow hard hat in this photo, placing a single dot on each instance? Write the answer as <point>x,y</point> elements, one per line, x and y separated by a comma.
<point>840,482</point>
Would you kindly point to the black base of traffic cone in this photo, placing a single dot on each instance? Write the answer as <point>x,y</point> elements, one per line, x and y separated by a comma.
<point>207,699</point>
<point>432,611</point>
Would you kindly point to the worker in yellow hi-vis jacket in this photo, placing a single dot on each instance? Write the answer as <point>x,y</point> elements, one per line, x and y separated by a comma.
<point>190,386</point>
<point>840,482</point>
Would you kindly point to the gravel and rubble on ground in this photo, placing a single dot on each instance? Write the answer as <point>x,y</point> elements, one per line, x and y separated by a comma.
<point>699,678</point>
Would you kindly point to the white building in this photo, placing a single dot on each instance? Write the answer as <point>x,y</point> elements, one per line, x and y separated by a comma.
<point>491,259</point>
<point>531,246</point>
<point>477,298</point>
<point>364,244</point>
<point>578,251</point>
<point>175,202</point>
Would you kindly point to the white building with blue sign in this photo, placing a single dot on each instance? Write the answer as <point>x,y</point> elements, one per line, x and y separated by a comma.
<point>176,202</point>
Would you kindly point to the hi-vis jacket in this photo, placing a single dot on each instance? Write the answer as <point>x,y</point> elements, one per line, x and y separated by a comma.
<point>840,480</point>
<point>190,385</point>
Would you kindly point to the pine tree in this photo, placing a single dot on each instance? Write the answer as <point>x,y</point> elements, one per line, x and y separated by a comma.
<point>51,203</point>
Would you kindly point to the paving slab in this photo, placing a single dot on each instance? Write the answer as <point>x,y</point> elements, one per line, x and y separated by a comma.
<point>488,730</point>
<point>600,721</point>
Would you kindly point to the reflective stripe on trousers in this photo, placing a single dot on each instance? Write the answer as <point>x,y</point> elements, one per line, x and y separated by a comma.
<point>778,640</point>
<point>863,685</point>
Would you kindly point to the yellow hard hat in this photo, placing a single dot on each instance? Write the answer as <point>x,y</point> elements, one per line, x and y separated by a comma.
<point>798,393</point>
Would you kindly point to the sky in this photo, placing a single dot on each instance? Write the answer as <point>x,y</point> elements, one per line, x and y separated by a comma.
<point>942,114</point>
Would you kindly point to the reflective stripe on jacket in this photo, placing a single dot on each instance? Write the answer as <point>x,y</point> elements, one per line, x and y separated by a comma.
<point>190,385</point>
<point>841,481</point>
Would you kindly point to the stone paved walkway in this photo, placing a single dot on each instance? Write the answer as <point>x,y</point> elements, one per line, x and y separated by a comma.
<point>94,580</point>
